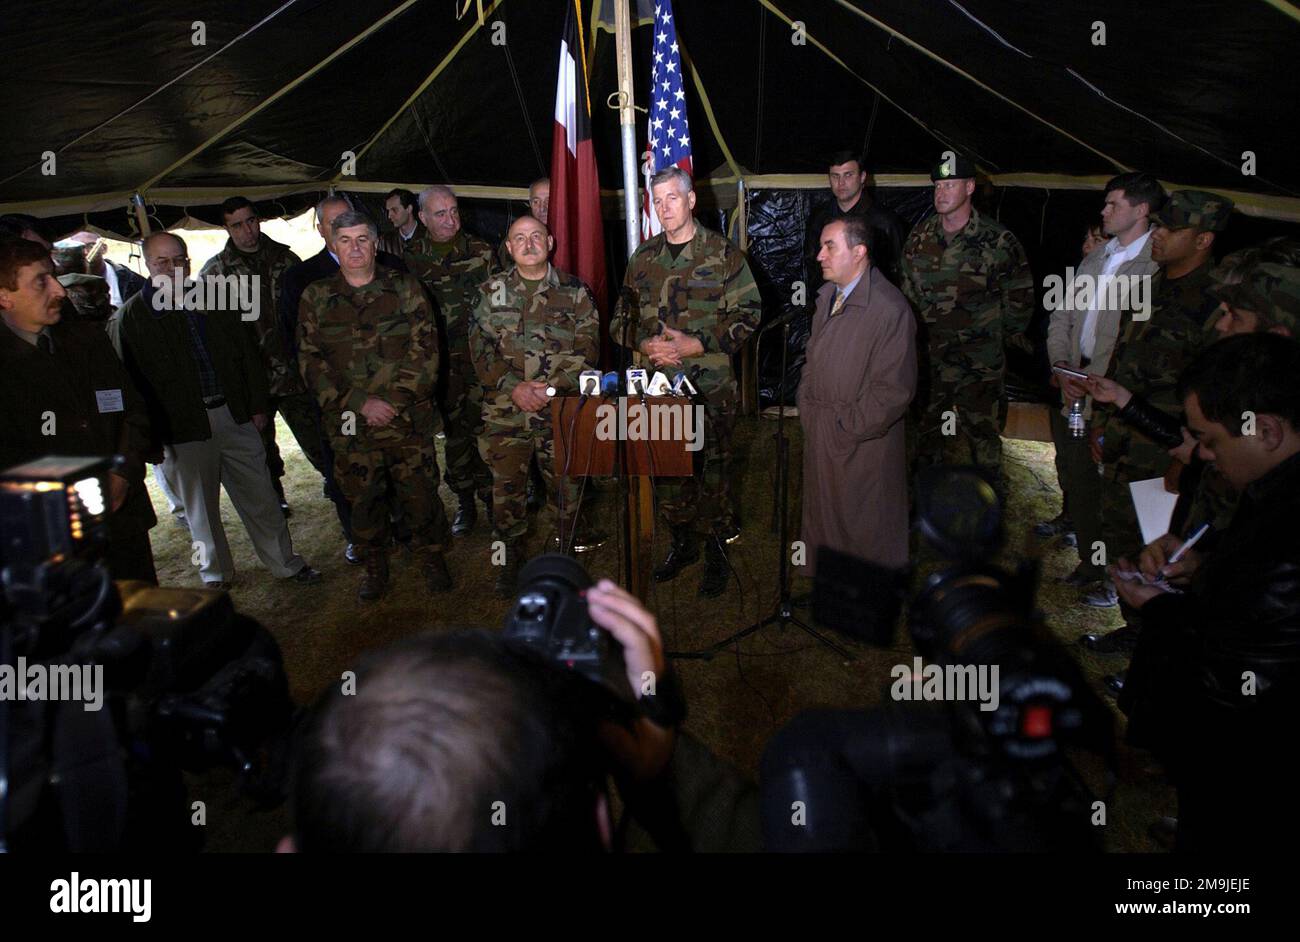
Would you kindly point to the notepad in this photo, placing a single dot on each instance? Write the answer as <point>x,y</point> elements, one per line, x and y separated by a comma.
<point>1154,506</point>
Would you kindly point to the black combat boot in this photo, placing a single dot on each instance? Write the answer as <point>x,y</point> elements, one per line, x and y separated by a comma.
<point>685,550</point>
<point>466,515</point>
<point>375,579</point>
<point>508,575</point>
<point>716,574</point>
<point>434,566</point>
<point>485,495</point>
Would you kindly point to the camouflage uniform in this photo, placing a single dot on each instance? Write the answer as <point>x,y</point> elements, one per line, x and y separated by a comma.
<point>707,292</point>
<point>974,293</point>
<point>377,340</point>
<point>289,396</point>
<point>546,331</point>
<point>453,272</point>
<point>1149,356</point>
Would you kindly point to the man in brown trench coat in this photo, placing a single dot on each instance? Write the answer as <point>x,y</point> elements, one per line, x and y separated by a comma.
<point>859,378</point>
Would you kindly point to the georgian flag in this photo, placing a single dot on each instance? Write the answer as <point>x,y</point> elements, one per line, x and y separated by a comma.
<point>574,214</point>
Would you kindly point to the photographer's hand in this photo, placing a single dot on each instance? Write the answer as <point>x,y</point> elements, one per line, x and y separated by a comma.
<point>643,750</point>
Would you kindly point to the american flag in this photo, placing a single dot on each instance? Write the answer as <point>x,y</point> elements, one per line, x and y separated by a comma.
<point>668,140</point>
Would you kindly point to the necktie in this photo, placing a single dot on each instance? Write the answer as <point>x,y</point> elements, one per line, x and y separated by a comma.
<point>44,343</point>
<point>839,303</point>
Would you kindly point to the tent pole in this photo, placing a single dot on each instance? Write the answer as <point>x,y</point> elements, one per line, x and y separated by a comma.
<point>627,123</point>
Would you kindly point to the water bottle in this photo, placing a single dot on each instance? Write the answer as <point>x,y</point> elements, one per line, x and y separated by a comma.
<point>1078,427</point>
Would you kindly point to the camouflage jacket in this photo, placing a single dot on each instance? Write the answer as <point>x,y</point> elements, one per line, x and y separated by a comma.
<point>452,271</point>
<point>973,292</point>
<point>1148,357</point>
<point>376,340</point>
<point>550,334</point>
<point>707,292</point>
<point>269,263</point>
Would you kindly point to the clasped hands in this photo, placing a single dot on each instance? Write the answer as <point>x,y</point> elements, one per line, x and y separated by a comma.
<point>377,412</point>
<point>669,347</point>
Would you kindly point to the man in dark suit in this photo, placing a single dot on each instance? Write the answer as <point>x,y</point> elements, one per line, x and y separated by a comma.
<point>292,284</point>
<point>65,392</point>
<point>886,232</point>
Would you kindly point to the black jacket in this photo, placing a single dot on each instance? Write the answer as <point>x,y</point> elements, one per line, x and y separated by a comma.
<point>1217,670</point>
<point>295,282</point>
<point>886,235</point>
<point>36,386</point>
<point>158,354</point>
<point>1156,424</point>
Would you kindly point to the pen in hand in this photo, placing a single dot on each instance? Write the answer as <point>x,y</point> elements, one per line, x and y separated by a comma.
<point>1182,550</point>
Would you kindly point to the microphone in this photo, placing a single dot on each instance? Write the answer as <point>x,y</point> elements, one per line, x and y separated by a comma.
<point>682,385</point>
<point>609,385</point>
<point>636,382</point>
<point>659,385</point>
<point>588,385</point>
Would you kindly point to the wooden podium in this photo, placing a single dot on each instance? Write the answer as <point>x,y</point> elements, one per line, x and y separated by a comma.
<point>634,439</point>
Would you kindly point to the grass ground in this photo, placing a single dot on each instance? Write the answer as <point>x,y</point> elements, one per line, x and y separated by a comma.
<point>737,700</point>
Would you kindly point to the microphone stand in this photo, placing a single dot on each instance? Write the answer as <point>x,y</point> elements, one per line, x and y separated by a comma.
<point>784,614</point>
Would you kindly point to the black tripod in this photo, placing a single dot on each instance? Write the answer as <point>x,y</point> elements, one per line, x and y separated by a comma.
<point>784,614</point>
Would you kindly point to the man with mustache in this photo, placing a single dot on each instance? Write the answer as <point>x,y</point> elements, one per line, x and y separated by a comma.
<point>534,327</point>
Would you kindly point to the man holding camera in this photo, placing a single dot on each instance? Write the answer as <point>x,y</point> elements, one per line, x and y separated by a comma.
<point>1214,686</point>
<point>461,742</point>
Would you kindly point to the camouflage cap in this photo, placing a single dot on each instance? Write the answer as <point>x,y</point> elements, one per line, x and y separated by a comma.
<point>958,168</point>
<point>1272,291</point>
<point>1206,211</point>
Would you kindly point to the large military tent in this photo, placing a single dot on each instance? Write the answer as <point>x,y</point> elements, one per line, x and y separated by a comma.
<point>281,100</point>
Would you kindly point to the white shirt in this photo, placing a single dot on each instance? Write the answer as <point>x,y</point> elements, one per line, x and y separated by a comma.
<point>1116,255</point>
<point>114,289</point>
<point>846,290</point>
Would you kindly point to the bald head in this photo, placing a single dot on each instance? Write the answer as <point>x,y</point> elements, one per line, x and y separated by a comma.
<point>164,252</point>
<point>529,243</point>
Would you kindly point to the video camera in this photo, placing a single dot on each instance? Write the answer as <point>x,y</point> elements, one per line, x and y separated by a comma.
<point>186,683</point>
<point>969,752</point>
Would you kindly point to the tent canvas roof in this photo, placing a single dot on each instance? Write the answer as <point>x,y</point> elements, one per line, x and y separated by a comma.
<point>426,91</point>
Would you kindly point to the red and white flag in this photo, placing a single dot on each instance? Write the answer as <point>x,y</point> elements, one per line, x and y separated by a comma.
<point>574,213</point>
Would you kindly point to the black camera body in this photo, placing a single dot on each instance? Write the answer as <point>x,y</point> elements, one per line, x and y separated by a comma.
<point>549,619</point>
<point>967,773</point>
<point>187,682</point>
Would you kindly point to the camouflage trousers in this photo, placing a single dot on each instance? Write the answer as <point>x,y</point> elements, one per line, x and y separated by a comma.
<point>462,422</point>
<point>970,435</point>
<point>365,474</point>
<point>508,448</point>
<point>703,501</point>
<point>302,415</point>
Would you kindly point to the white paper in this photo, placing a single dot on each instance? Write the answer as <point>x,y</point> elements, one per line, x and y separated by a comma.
<point>109,400</point>
<point>1154,506</point>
